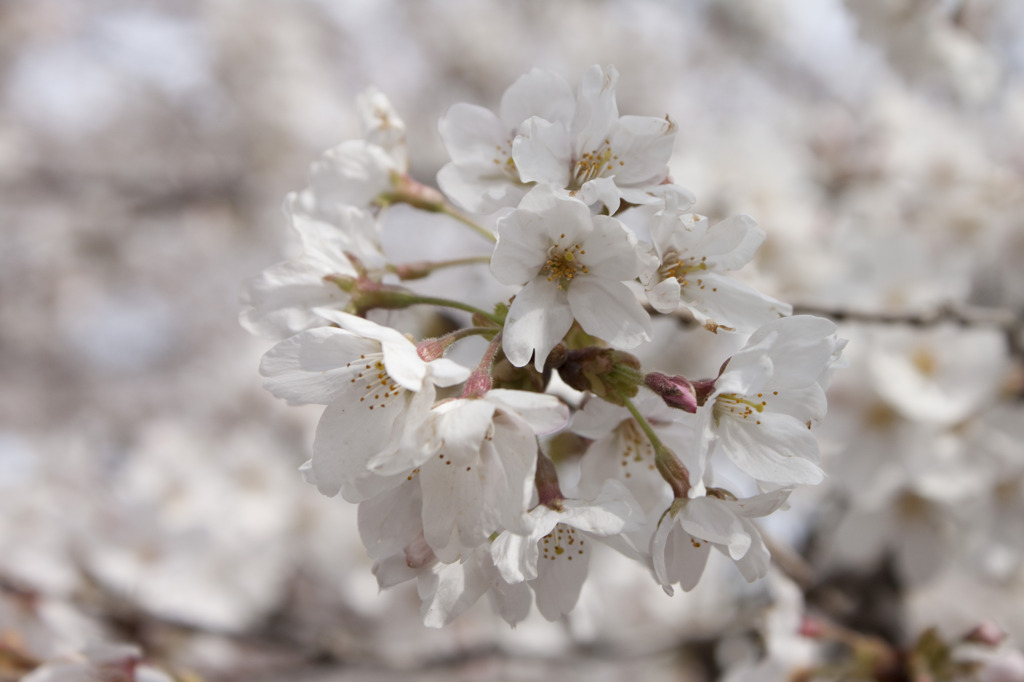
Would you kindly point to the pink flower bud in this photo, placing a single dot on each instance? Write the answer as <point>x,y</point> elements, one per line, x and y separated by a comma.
<point>676,391</point>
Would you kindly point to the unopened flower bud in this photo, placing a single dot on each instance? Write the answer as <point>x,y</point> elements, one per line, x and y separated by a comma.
<point>677,391</point>
<point>605,372</point>
<point>431,349</point>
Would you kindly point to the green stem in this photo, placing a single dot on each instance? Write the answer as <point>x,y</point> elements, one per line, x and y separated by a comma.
<point>479,229</point>
<point>366,295</point>
<point>408,191</point>
<point>449,303</point>
<point>669,466</point>
<point>407,271</point>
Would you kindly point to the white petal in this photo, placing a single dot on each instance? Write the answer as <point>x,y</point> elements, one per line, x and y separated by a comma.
<point>538,93</point>
<point>610,311</point>
<point>480,187</point>
<point>709,519</point>
<point>462,425</point>
<point>444,372</point>
<point>560,575</point>
<point>603,191</point>
<point>644,146</point>
<point>512,602</point>
<point>611,250</point>
<point>449,589</point>
<point>598,418</point>
<point>279,301</point>
<point>509,554</point>
<point>685,559</point>
<point>355,172</point>
<point>463,503</point>
<point>664,296</point>
<point>725,301</point>
<point>596,110</point>
<point>392,570</point>
<point>391,520</point>
<point>537,320</point>
<point>804,347</point>
<point>602,517</point>
<point>545,413</point>
<point>756,560</point>
<point>522,247</point>
<point>807,404</point>
<point>778,450</point>
<point>732,243</point>
<point>471,133</point>
<point>759,505</point>
<point>315,366</point>
<point>347,436</point>
<point>541,152</point>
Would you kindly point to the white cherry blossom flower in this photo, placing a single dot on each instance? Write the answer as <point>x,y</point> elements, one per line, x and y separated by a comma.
<point>382,126</point>
<point>574,266</point>
<point>621,450</point>
<point>476,465</point>
<point>355,173</point>
<point>279,301</point>
<point>691,257</point>
<point>375,386</point>
<point>767,398</point>
<point>598,155</point>
<point>482,176</point>
<point>688,530</point>
<point>447,590</point>
<point>554,554</point>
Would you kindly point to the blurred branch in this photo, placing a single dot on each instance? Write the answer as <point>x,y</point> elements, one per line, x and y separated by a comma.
<point>1009,323</point>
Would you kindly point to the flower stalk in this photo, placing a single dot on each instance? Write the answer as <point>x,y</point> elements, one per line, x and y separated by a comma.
<point>669,466</point>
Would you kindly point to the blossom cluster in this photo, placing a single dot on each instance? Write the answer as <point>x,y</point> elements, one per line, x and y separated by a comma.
<point>501,477</point>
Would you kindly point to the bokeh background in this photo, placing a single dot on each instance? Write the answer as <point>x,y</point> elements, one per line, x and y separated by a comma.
<point>148,486</point>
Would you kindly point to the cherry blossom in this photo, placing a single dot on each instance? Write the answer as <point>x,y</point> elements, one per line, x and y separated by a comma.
<point>553,555</point>
<point>574,267</point>
<point>688,269</point>
<point>482,176</point>
<point>767,398</point>
<point>688,530</point>
<point>598,155</point>
<point>359,371</point>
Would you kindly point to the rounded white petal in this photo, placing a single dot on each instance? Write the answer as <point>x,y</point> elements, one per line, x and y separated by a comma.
<point>644,146</point>
<point>596,109</point>
<point>315,366</point>
<point>537,320</point>
<point>724,301</point>
<point>664,296</point>
<point>610,311</point>
<point>544,413</point>
<point>541,152</point>
<point>472,133</point>
<point>539,93</point>
<point>779,449</point>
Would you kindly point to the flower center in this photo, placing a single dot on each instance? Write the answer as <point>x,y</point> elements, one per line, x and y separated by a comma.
<point>372,380</point>
<point>563,543</point>
<point>504,161</point>
<point>637,453</point>
<point>739,406</point>
<point>672,265</point>
<point>563,263</point>
<point>594,164</point>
